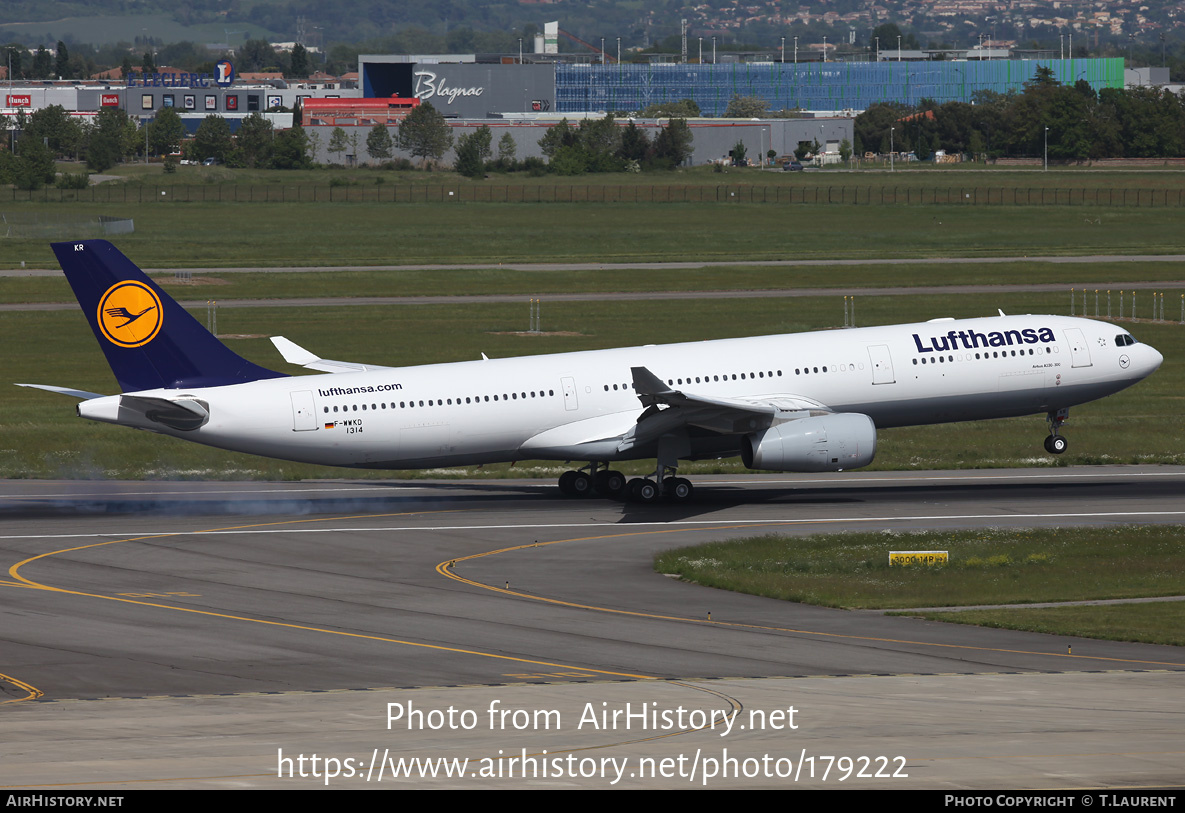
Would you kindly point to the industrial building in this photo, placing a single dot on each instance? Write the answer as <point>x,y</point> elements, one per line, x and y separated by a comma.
<point>524,97</point>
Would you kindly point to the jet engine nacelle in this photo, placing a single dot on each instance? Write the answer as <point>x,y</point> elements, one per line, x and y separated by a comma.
<point>823,443</point>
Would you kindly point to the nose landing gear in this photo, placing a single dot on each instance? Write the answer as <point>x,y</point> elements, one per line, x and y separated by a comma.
<point>1055,443</point>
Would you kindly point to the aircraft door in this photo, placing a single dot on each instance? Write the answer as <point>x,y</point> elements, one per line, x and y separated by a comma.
<point>882,364</point>
<point>304,414</point>
<point>1079,351</point>
<point>569,386</point>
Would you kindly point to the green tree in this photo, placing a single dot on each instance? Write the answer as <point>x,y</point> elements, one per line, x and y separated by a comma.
<point>337,141</point>
<point>484,138</point>
<point>845,150</point>
<point>62,62</point>
<point>148,63</point>
<point>13,55</point>
<point>378,142</point>
<point>560,134</point>
<point>682,109</point>
<point>746,107</point>
<point>673,147</point>
<point>738,153</point>
<point>425,134</point>
<point>254,140</point>
<point>291,150</point>
<point>213,139</point>
<point>255,55</point>
<point>42,63</point>
<point>299,65</point>
<point>469,158</point>
<point>601,139</point>
<point>55,127</point>
<point>507,149</point>
<point>166,131</point>
<point>108,140</point>
<point>635,144</point>
<point>34,166</point>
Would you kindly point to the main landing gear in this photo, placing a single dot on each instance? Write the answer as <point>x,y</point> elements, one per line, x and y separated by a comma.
<point>608,483</point>
<point>595,478</point>
<point>1055,443</point>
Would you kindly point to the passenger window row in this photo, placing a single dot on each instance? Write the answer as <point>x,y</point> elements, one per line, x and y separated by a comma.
<point>940,359</point>
<point>475,399</point>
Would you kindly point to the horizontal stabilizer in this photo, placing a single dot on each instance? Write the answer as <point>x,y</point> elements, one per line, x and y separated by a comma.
<point>83,394</point>
<point>293,353</point>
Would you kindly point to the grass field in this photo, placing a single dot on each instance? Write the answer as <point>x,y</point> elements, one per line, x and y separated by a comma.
<point>285,234</point>
<point>916,176</point>
<point>500,281</point>
<point>988,566</point>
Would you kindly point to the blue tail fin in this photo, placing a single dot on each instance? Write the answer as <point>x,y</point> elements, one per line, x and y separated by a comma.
<point>150,341</point>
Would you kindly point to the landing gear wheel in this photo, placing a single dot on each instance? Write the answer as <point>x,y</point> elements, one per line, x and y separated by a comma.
<point>566,483</point>
<point>1055,444</point>
<point>609,483</point>
<point>678,489</point>
<point>643,491</point>
<point>581,484</point>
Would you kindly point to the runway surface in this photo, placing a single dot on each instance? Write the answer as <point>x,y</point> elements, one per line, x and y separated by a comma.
<point>223,625</point>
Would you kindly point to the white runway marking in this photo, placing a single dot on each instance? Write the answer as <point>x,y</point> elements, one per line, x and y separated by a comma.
<point>662,524</point>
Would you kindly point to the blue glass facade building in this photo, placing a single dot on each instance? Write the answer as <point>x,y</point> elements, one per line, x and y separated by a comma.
<point>811,85</point>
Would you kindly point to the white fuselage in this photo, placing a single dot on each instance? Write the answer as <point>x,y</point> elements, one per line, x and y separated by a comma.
<point>560,406</point>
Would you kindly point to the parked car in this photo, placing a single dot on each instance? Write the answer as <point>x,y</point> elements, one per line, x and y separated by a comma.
<point>792,166</point>
<point>211,162</point>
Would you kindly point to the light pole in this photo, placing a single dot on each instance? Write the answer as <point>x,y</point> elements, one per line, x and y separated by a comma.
<point>602,50</point>
<point>783,50</point>
<point>898,47</point>
<point>796,50</point>
<point>1046,169</point>
<point>713,50</point>
<point>878,48</point>
<point>701,50</point>
<point>520,50</point>
<point>891,149</point>
<point>824,49</point>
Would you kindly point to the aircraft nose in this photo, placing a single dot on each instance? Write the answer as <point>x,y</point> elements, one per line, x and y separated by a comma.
<point>1149,360</point>
<point>1154,359</point>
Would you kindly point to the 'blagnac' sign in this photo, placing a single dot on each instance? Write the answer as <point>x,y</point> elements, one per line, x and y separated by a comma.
<point>428,86</point>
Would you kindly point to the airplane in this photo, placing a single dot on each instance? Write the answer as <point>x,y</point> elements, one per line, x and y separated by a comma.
<point>806,402</point>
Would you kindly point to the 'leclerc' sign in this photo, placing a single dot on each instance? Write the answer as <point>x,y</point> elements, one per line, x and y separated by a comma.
<point>223,76</point>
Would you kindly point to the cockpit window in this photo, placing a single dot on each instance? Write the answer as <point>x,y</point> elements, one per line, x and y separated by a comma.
<point>1124,340</point>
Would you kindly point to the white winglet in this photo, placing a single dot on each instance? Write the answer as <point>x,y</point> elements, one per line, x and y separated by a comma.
<point>293,353</point>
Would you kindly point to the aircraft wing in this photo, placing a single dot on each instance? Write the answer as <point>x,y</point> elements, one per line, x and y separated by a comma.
<point>668,409</point>
<point>293,353</point>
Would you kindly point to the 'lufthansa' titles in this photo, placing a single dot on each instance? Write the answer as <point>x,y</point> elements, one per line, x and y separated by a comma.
<point>971,339</point>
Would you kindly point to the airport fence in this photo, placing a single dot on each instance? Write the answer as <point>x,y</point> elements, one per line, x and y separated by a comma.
<point>867,195</point>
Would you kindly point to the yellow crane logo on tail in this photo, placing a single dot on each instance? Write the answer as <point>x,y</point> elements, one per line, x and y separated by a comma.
<point>130,314</point>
